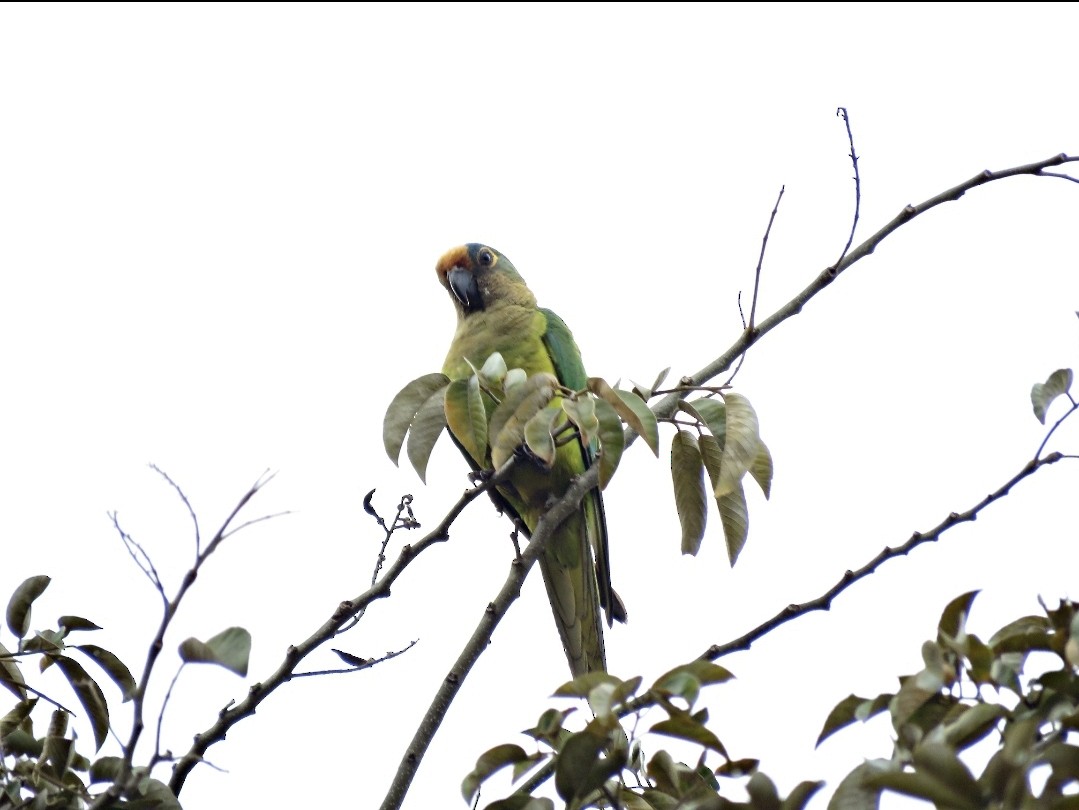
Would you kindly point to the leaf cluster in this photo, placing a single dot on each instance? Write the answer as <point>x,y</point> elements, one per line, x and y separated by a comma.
<point>604,763</point>
<point>968,690</point>
<point>496,413</point>
<point>48,769</point>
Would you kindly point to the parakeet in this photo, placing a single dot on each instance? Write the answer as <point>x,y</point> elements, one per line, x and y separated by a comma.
<point>496,312</point>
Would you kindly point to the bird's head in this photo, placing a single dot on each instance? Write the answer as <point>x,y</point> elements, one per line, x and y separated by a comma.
<point>478,277</point>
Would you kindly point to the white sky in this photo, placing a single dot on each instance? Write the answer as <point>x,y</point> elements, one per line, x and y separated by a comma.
<point>218,229</point>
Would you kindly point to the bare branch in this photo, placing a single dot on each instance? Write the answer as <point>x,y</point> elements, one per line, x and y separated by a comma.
<point>286,670</point>
<point>824,601</point>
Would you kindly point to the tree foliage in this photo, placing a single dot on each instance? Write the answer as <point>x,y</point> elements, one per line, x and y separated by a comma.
<point>984,724</point>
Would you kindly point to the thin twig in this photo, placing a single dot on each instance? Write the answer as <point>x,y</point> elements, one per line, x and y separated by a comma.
<point>187,503</point>
<point>367,664</point>
<point>842,111</point>
<point>141,558</point>
<point>1052,430</point>
<point>749,327</point>
<point>161,715</point>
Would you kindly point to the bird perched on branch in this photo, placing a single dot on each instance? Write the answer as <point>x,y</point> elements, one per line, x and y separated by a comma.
<point>496,312</point>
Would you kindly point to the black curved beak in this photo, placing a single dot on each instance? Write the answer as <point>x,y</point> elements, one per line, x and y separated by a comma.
<point>464,288</point>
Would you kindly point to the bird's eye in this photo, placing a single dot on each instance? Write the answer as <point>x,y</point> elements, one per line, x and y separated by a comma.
<point>487,258</point>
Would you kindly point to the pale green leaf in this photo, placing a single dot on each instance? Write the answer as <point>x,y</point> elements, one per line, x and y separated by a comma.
<point>712,455</point>
<point>761,469</point>
<point>515,395</point>
<point>631,408</point>
<point>10,674</point>
<point>741,443</point>
<point>426,427</point>
<point>113,666</point>
<point>534,399</point>
<point>1043,394</point>
<point>514,377</point>
<point>690,495</point>
<point>404,407</point>
<point>89,695</point>
<point>466,416</point>
<point>714,414</point>
<point>611,441</point>
<point>489,763</point>
<point>734,515</point>
<point>537,434</point>
<point>18,607</point>
<point>582,412</point>
<point>494,371</point>
<point>231,649</point>
<point>683,727</point>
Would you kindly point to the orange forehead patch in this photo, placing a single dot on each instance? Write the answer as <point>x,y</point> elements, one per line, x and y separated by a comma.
<point>455,257</point>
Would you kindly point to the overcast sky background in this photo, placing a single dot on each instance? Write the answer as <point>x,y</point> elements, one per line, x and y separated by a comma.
<point>218,232</point>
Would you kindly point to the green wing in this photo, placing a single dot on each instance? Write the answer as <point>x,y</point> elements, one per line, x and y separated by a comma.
<point>568,367</point>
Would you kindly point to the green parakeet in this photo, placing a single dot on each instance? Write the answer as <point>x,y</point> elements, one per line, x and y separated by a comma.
<point>496,312</point>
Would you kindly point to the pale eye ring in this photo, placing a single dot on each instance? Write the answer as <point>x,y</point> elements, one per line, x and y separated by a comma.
<point>486,258</point>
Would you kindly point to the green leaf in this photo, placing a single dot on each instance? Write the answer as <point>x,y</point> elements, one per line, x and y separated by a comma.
<point>714,414</point>
<point>113,667</point>
<point>231,649</point>
<point>734,515</point>
<point>973,723</point>
<point>705,672</point>
<point>683,727</point>
<point>582,412</point>
<point>850,709</point>
<point>18,607</point>
<point>489,763</point>
<point>922,785</point>
<point>687,473</point>
<point>89,694</point>
<point>426,429</point>
<point>404,407</point>
<point>762,792</point>
<point>493,371</point>
<point>466,416</point>
<point>106,769</point>
<point>798,798</point>
<point>70,623</point>
<point>580,768</point>
<point>525,401</point>
<point>761,469</point>
<point>711,455</point>
<point>631,408</point>
<point>953,621</point>
<point>10,674</point>
<point>1043,394</point>
<point>514,377</point>
<point>611,441</point>
<point>15,718</point>
<point>537,434</point>
<point>741,443</point>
